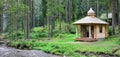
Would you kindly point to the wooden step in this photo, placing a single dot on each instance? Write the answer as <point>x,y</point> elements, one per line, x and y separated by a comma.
<point>86,39</point>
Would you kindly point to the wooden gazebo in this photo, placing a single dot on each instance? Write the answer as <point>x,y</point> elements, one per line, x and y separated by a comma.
<point>91,28</point>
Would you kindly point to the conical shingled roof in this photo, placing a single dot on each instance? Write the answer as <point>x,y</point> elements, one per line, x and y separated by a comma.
<point>90,19</point>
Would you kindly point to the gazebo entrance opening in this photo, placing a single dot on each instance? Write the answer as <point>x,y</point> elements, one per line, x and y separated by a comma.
<point>92,31</point>
<point>87,31</point>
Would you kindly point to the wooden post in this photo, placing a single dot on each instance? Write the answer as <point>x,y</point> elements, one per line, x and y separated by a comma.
<point>90,36</point>
<point>95,32</point>
<point>106,31</point>
<point>76,31</point>
<point>81,31</point>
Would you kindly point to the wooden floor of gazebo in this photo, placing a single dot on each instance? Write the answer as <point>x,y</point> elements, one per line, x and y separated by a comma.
<point>86,39</point>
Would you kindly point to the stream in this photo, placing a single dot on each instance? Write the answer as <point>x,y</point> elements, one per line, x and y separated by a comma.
<point>12,52</point>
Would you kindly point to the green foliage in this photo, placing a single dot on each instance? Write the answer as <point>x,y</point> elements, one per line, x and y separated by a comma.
<point>118,52</point>
<point>67,47</point>
<point>61,32</point>
<point>110,31</point>
<point>38,32</point>
<point>22,44</point>
<point>54,48</point>
<point>118,42</point>
<point>1,2</point>
<point>63,43</point>
<point>19,35</point>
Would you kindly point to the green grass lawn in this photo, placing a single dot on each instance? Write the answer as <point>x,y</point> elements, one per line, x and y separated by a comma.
<point>67,46</point>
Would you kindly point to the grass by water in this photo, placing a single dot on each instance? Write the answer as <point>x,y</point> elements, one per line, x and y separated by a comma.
<point>66,46</point>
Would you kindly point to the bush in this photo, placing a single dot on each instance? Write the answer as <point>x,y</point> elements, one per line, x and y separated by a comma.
<point>110,31</point>
<point>38,32</point>
<point>118,42</point>
<point>60,33</point>
<point>20,35</point>
<point>22,44</point>
<point>57,48</point>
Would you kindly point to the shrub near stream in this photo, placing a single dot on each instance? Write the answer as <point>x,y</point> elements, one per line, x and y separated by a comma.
<point>22,44</point>
<point>58,49</point>
<point>61,48</point>
<point>67,46</point>
<point>35,33</point>
<point>38,32</point>
<point>55,48</point>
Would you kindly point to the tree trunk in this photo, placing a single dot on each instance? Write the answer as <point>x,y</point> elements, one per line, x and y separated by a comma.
<point>66,12</point>
<point>60,22</point>
<point>16,20</point>
<point>118,3</point>
<point>97,2</point>
<point>1,22</point>
<point>26,22</point>
<point>49,27</point>
<point>32,13</point>
<point>1,18</point>
<point>44,12</point>
<point>113,16</point>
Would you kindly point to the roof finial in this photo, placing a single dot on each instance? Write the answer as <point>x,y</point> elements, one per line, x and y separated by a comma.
<point>91,12</point>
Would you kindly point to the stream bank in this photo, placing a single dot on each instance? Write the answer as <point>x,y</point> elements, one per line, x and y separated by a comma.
<point>12,52</point>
